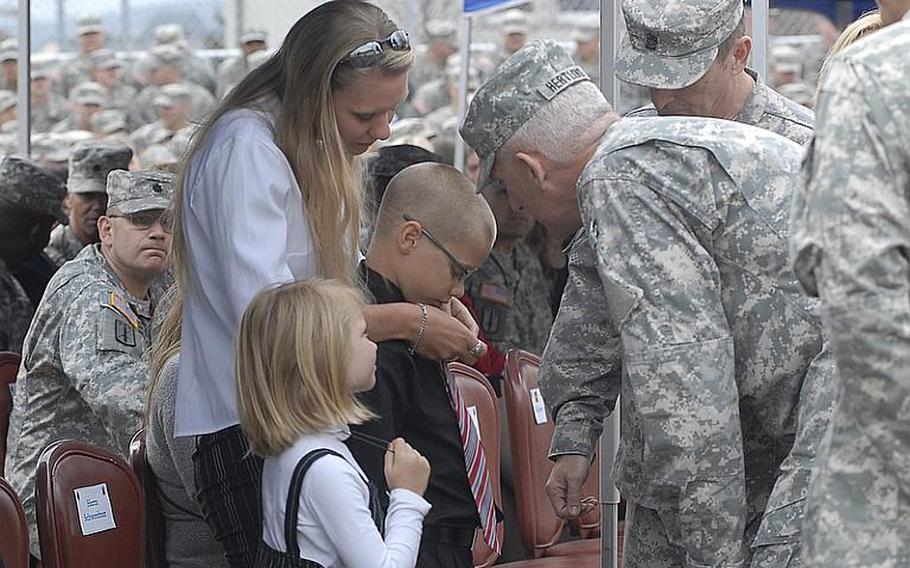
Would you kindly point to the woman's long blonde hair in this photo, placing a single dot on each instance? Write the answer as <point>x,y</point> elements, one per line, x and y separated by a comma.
<point>863,26</point>
<point>291,363</point>
<point>166,344</point>
<point>302,76</point>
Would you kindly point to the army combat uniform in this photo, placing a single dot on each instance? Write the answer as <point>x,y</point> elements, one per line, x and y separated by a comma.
<point>512,300</point>
<point>84,361</point>
<point>850,239</point>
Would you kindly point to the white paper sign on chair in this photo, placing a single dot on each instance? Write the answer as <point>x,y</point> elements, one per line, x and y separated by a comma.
<point>94,506</point>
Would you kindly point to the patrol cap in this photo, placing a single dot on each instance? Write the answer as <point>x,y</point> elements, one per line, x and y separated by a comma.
<point>109,121</point>
<point>588,30</point>
<point>670,44</point>
<point>27,185</point>
<point>172,93</point>
<point>514,22</point>
<point>9,50</point>
<point>37,73</point>
<point>521,86</point>
<point>250,36</point>
<point>88,93</point>
<point>131,192</point>
<point>786,59</point>
<point>165,54</point>
<point>89,25</point>
<point>90,162</point>
<point>169,34</point>
<point>103,59</point>
<point>441,30</point>
<point>7,100</point>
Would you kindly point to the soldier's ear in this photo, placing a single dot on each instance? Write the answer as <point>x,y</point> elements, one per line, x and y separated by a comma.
<point>742,49</point>
<point>104,229</point>
<point>534,167</point>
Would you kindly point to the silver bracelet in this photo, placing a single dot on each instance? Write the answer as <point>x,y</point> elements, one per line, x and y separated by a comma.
<point>424,318</point>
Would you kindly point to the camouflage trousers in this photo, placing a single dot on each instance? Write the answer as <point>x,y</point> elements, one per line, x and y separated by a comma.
<point>647,545</point>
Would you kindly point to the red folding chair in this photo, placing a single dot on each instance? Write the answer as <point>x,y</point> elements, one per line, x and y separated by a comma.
<point>14,533</point>
<point>68,466</point>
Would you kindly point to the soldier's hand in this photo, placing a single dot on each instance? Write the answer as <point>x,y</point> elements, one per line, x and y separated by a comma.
<point>564,484</point>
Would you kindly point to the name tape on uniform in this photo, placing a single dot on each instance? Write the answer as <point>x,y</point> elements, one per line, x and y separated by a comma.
<point>562,81</point>
<point>94,506</point>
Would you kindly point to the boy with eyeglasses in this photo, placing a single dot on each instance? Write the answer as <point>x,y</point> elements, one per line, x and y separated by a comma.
<point>432,231</point>
<point>84,366</point>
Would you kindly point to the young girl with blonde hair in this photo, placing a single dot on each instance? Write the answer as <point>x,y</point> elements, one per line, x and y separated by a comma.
<point>302,353</point>
<point>270,192</point>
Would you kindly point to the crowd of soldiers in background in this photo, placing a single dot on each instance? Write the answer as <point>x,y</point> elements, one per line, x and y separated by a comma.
<point>150,104</point>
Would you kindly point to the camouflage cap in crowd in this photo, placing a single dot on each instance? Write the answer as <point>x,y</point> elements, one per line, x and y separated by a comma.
<point>169,34</point>
<point>670,44</point>
<point>521,86</point>
<point>90,163</point>
<point>441,30</point>
<point>88,93</point>
<point>9,50</point>
<point>166,54</point>
<point>89,25</point>
<point>109,121</point>
<point>131,192</point>
<point>27,185</point>
<point>172,93</point>
<point>250,36</point>
<point>103,59</point>
<point>7,100</point>
<point>514,22</point>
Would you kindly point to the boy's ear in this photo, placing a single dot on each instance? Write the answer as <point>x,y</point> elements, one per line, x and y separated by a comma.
<point>534,167</point>
<point>408,236</point>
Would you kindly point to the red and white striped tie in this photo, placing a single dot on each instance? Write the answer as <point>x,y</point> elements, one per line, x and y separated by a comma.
<point>475,461</point>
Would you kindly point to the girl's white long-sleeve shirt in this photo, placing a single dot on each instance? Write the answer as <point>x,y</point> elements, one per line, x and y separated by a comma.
<point>334,524</point>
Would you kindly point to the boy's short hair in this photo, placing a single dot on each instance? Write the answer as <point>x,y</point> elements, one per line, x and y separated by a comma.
<point>290,367</point>
<point>439,196</point>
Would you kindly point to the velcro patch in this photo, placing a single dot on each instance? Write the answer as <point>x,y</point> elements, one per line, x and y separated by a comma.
<point>122,307</point>
<point>562,81</point>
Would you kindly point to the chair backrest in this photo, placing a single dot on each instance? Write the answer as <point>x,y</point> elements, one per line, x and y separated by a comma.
<point>480,398</point>
<point>14,533</point>
<point>9,367</point>
<point>154,517</point>
<point>107,492</point>
<point>538,524</point>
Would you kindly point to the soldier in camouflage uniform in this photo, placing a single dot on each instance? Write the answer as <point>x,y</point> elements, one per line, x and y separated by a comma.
<point>90,34</point>
<point>30,198</point>
<point>86,99</point>
<point>84,364</point>
<point>718,84</point>
<point>678,298</point>
<point>86,197</point>
<point>851,231</point>
<point>231,71</point>
<point>48,107</point>
<point>511,297</point>
<point>8,111</point>
<point>173,107</point>
<point>164,69</point>
<point>106,70</point>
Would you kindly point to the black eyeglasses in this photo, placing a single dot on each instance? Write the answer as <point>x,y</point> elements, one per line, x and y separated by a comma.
<point>369,53</point>
<point>145,219</point>
<point>462,272</point>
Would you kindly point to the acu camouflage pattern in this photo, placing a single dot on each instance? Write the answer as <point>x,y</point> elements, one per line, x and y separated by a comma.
<point>719,346</point>
<point>15,311</point>
<point>670,44</point>
<point>83,371</point>
<point>851,233</point>
<point>90,162</point>
<point>767,109</point>
<point>25,184</point>
<point>511,297</point>
<point>63,245</point>
<point>131,192</point>
<point>521,86</point>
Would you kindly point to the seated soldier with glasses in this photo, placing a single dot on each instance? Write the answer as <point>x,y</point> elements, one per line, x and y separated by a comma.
<point>84,366</point>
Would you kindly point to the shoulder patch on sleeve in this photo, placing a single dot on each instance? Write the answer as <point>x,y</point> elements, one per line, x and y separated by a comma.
<point>117,303</point>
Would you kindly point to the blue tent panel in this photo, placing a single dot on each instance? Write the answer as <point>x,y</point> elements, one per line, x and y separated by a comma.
<point>828,8</point>
<point>489,5</point>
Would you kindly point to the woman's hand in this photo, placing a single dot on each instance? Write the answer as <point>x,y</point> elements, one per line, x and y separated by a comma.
<point>451,337</point>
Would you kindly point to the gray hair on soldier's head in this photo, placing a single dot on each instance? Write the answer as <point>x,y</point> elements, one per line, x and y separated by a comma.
<point>557,129</point>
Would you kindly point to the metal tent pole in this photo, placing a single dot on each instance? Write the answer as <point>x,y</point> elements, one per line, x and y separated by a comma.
<point>23,99</point>
<point>760,38</point>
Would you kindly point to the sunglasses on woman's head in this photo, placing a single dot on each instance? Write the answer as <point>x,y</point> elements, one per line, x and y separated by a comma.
<point>369,53</point>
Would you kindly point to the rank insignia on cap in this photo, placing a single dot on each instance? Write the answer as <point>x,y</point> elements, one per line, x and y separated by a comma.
<point>651,42</point>
<point>122,307</point>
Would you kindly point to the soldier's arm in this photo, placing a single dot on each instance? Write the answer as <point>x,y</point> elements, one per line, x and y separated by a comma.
<point>103,357</point>
<point>580,370</point>
<point>858,175</point>
<point>663,294</point>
